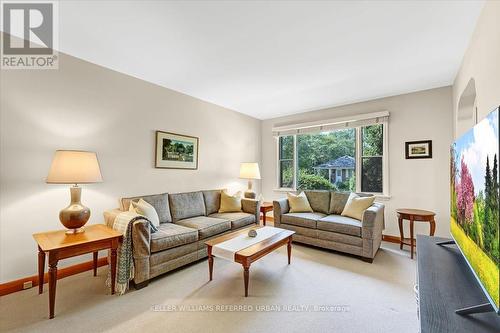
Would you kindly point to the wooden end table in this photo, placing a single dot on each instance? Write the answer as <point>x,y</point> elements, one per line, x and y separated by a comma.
<point>265,207</point>
<point>413,215</point>
<point>60,245</point>
<point>252,253</point>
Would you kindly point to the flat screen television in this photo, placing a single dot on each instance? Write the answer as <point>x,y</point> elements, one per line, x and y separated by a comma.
<point>474,205</point>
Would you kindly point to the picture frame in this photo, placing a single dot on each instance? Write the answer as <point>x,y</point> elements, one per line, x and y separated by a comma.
<point>176,151</point>
<point>418,149</point>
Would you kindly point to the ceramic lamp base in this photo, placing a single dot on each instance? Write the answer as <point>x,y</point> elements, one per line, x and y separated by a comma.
<point>250,194</point>
<point>75,215</point>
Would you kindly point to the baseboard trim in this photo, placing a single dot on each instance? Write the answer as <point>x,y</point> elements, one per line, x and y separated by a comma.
<point>390,239</point>
<point>17,285</point>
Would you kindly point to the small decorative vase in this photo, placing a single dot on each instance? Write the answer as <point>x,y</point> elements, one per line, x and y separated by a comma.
<point>252,233</point>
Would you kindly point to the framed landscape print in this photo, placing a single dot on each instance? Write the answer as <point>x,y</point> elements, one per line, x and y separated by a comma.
<point>418,149</point>
<point>176,151</point>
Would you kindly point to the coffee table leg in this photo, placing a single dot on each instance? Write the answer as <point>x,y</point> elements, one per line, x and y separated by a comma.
<point>210,262</point>
<point>41,269</point>
<point>289,249</point>
<point>95,263</point>
<point>52,284</point>
<point>246,273</point>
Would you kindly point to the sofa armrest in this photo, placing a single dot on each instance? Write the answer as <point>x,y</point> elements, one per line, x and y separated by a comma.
<point>280,207</point>
<point>110,215</point>
<point>141,239</point>
<point>141,243</point>
<point>373,221</point>
<point>251,206</point>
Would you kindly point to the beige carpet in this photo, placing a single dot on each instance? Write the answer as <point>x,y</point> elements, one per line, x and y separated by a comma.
<point>358,297</point>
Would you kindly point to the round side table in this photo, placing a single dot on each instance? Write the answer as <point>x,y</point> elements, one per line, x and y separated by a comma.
<point>413,215</point>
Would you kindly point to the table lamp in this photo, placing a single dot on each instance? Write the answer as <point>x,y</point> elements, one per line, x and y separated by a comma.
<point>74,167</point>
<point>250,171</point>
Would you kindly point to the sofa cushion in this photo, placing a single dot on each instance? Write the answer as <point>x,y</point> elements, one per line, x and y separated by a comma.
<point>238,220</point>
<point>158,201</point>
<point>230,203</point>
<point>337,202</point>
<point>309,232</point>
<point>170,235</point>
<point>307,220</point>
<point>340,224</point>
<point>319,200</point>
<point>298,203</point>
<point>212,201</point>
<point>356,206</point>
<point>144,208</point>
<point>186,205</point>
<point>206,226</point>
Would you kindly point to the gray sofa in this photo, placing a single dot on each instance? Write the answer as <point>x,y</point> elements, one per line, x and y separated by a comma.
<point>326,228</point>
<point>187,220</point>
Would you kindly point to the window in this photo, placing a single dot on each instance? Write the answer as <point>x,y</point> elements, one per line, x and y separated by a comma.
<point>372,138</point>
<point>348,159</point>
<point>286,159</point>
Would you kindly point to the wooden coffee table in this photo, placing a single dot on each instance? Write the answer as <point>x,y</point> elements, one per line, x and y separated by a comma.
<point>252,253</point>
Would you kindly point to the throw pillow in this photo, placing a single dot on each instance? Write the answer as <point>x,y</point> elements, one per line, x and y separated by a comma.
<point>230,203</point>
<point>299,203</point>
<point>337,202</point>
<point>147,210</point>
<point>356,206</point>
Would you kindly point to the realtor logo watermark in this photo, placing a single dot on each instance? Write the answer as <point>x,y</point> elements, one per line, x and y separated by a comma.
<point>30,35</point>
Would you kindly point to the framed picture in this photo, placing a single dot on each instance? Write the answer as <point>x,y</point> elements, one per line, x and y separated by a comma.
<point>418,149</point>
<point>176,151</point>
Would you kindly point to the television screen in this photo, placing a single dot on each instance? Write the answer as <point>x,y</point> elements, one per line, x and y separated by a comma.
<point>474,221</point>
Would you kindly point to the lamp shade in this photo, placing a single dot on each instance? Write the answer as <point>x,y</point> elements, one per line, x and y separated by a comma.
<point>250,171</point>
<point>74,167</point>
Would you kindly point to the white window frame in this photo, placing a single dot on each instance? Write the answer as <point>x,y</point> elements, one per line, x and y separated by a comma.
<point>294,163</point>
<point>385,162</point>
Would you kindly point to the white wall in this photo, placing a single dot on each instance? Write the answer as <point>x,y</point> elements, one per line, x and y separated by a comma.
<point>425,115</point>
<point>481,62</point>
<point>84,106</point>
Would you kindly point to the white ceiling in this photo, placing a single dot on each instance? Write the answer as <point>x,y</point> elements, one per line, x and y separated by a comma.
<point>268,59</point>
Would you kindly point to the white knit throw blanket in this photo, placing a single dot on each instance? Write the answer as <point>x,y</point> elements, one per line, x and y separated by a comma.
<point>125,258</point>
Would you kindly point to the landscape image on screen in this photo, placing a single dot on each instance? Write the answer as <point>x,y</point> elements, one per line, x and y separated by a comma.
<point>474,201</point>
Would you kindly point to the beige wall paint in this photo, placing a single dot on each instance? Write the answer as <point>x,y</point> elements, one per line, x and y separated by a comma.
<point>481,63</point>
<point>425,115</point>
<point>85,106</point>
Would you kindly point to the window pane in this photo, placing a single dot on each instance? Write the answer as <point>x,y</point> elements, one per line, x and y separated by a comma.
<point>286,147</point>
<point>371,175</point>
<point>373,140</point>
<point>286,173</point>
<point>325,160</point>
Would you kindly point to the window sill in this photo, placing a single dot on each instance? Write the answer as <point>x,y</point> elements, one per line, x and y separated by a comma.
<point>284,189</point>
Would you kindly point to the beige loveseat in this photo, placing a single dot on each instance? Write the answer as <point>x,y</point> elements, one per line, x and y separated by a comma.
<point>187,220</point>
<point>326,228</point>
